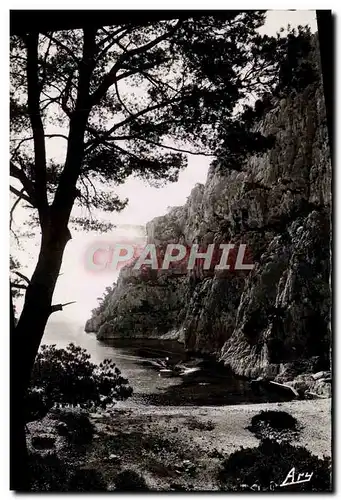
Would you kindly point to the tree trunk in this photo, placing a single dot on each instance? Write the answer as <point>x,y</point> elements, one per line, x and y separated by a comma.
<point>25,340</point>
<point>54,219</point>
<point>18,456</point>
<point>19,476</point>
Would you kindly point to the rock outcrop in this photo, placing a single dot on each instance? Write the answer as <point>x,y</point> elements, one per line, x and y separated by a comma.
<point>279,205</point>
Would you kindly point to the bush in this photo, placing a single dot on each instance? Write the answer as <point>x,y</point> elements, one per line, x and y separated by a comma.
<point>79,428</point>
<point>130,480</point>
<point>278,420</point>
<point>269,464</point>
<point>48,473</point>
<point>86,480</point>
<point>67,376</point>
<point>194,424</point>
<point>277,425</point>
<point>54,474</point>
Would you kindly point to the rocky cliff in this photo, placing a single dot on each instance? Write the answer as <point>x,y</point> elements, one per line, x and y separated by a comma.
<point>278,204</point>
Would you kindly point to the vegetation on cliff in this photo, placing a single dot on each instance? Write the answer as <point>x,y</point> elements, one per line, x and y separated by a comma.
<point>276,202</point>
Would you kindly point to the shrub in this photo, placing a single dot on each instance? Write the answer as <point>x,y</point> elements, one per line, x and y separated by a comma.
<point>67,376</point>
<point>79,428</point>
<point>194,424</point>
<point>129,480</point>
<point>62,429</point>
<point>277,425</point>
<point>48,473</point>
<point>86,480</point>
<point>278,420</point>
<point>270,463</point>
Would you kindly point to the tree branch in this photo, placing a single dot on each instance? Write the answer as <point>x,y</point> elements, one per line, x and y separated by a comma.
<point>33,97</point>
<point>49,100</point>
<point>159,84</point>
<point>110,77</point>
<point>110,35</point>
<point>66,94</point>
<point>87,197</point>
<point>59,307</point>
<point>62,46</point>
<point>23,277</point>
<point>152,43</point>
<point>159,144</point>
<point>19,174</point>
<point>131,118</point>
<point>66,191</point>
<point>128,153</point>
<point>114,40</point>
<point>21,195</point>
<point>120,100</point>
<point>15,236</point>
<point>25,139</point>
<point>19,285</point>
<point>43,79</point>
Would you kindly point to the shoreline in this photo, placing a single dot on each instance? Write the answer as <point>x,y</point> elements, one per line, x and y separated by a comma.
<point>206,435</point>
<point>314,415</point>
<point>181,448</point>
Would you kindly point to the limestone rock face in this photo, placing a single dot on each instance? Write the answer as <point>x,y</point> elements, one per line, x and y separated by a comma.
<point>139,306</point>
<point>279,206</point>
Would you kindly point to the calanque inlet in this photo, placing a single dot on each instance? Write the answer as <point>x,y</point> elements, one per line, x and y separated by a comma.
<point>272,321</point>
<point>171,251</point>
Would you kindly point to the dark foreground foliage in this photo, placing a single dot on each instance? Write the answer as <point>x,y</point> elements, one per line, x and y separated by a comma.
<point>86,480</point>
<point>278,425</point>
<point>50,473</point>
<point>276,419</point>
<point>130,480</point>
<point>78,428</point>
<point>68,377</point>
<point>268,465</point>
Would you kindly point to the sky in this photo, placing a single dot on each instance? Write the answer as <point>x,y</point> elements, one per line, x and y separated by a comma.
<point>76,283</point>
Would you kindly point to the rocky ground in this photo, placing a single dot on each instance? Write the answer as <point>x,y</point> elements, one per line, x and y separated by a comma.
<point>174,448</point>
